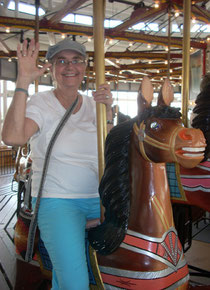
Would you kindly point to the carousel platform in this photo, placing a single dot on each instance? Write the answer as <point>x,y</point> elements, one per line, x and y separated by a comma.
<point>198,256</point>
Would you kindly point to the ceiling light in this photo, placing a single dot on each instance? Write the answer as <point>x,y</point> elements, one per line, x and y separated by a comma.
<point>156,4</point>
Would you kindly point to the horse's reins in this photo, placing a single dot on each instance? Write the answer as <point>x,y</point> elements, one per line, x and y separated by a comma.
<point>143,137</point>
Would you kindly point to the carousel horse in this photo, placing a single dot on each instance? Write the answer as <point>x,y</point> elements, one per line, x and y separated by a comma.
<point>192,186</point>
<point>137,244</point>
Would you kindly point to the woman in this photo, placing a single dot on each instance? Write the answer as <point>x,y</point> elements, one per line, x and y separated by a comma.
<point>70,194</point>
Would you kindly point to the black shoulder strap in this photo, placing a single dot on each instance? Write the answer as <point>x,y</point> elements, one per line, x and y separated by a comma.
<point>33,224</point>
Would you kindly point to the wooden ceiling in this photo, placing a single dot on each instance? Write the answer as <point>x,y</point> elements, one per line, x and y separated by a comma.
<point>129,54</point>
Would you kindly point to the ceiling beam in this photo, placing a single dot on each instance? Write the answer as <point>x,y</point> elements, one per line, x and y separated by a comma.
<point>141,66</point>
<point>141,55</point>
<point>4,47</point>
<point>46,26</point>
<point>198,12</point>
<point>201,14</point>
<point>114,55</point>
<point>69,7</point>
<point>141,15</point>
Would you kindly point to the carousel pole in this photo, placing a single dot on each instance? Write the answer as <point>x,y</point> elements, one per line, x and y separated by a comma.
<point>186,61</point>
<point>36,34</point>
<point>169,41</point>
<point>98,31</point>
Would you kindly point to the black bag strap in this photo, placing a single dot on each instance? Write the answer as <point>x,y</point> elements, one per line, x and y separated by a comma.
<point>27,195</point>
<point>33,224</point>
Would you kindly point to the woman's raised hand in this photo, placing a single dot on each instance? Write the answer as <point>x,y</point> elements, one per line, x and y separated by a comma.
<point>28,71</point>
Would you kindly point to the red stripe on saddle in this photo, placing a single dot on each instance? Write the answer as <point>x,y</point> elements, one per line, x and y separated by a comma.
<point>149,284</point>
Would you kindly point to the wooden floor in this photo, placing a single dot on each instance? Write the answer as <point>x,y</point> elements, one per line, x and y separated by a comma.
<point>8,203</point>
<point>198,255</point>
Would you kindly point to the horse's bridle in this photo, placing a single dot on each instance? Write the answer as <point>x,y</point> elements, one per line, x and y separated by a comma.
<point>143,137</point>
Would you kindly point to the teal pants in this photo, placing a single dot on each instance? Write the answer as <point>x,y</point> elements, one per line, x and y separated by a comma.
<point>62,228</point>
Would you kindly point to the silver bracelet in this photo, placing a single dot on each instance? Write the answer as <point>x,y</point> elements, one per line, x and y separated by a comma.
<point>21,90</point>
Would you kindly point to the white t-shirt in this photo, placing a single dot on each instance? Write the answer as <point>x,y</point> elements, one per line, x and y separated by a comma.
<point>73,166</point>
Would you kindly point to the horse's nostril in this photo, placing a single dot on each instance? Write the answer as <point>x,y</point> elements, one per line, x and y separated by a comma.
<point>184,134</point>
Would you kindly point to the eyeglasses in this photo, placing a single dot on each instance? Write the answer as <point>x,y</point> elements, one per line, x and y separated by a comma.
<point>65,62</point>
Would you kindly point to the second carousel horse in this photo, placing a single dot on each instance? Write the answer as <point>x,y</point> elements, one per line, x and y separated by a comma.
<point>192,186</point>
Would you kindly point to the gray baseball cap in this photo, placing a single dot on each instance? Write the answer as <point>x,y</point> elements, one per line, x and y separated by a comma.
<point>65,45</point>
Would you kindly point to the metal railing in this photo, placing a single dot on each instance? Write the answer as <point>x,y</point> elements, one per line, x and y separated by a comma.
<point>7,160</point>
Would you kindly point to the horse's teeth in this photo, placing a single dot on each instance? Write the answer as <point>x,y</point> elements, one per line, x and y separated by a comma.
<point>193,155</point>
<point>191,149</point>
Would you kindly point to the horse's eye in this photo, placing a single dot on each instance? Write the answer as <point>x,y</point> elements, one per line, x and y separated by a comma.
<point>154,125</point>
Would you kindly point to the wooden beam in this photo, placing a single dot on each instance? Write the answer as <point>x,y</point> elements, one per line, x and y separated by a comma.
<point>197,12</point>
<point>4,47</point>
<point>70,6</point>
<point>201,14</point>
<point>137,55</point>
<point>141,14</point>
<point>46,26</point>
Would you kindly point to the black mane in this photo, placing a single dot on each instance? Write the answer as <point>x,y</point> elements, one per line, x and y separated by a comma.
<point>114,191</point>
<point>202,119</point>
<point>162,112</point>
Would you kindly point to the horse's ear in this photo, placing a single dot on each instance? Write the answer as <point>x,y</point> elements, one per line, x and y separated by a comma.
<point>166,94</point>
<point>145,94</point>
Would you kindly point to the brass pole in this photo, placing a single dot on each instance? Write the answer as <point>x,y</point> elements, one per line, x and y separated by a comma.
<point>98,32</point>
<point>36,35</point>
<point>169,41</point>
<point>186,61</point>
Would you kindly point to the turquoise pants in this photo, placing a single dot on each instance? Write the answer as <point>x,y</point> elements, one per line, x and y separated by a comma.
<point>62,229</point>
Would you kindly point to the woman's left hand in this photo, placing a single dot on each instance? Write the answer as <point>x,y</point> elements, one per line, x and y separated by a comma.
<point>103,95</point>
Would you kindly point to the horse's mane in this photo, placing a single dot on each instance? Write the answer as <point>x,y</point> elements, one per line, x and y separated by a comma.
<point>114,186</point>
<point>161,112</point>
<point>114,191</point>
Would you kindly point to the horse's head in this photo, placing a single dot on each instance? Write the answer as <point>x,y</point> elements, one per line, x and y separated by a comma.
<point>161,137</point>
<point>161,134</point>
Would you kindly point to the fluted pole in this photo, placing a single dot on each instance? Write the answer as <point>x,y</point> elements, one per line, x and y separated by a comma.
<point>99,63</point>
<point>186,61</point>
